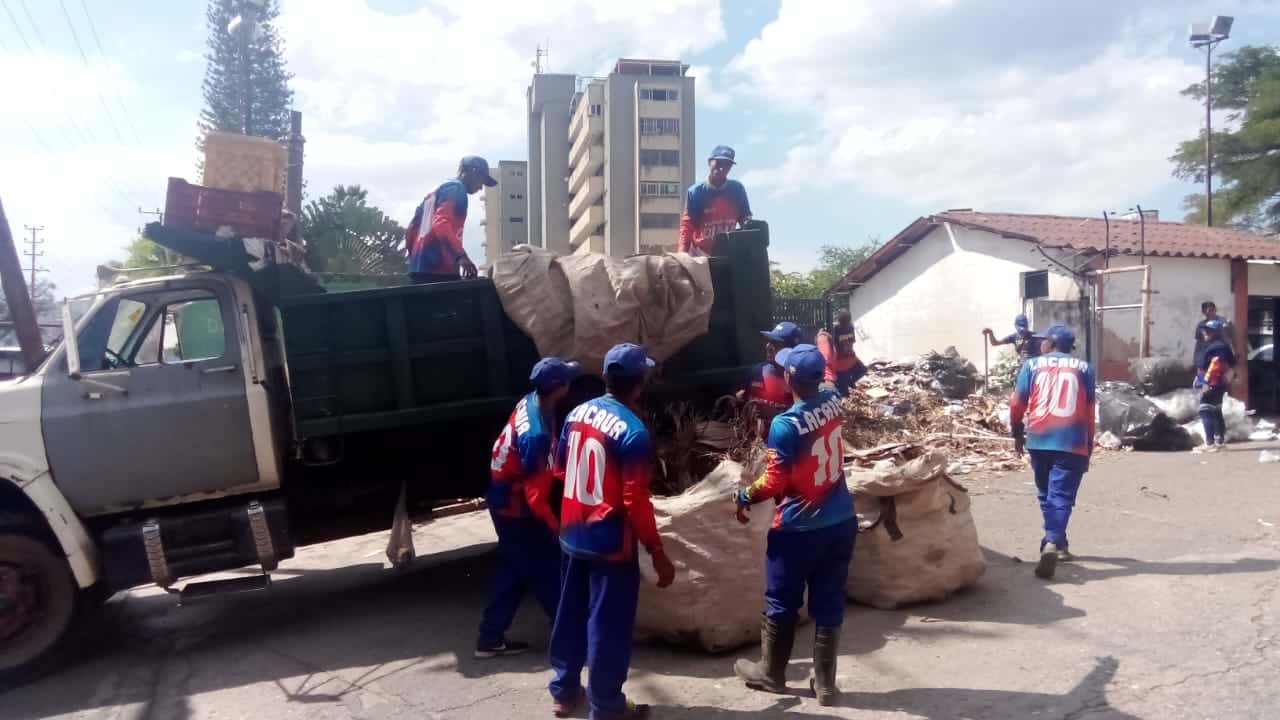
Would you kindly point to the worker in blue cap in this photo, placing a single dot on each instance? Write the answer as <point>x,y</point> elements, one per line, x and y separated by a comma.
<point>434,235</point>
<point>712,207</point>
<point>768,393</point>
<point>606,458</point>
<point>811,539</point>
<point>1025,342</point>
<point>1051,414</point>
<point>519,500</point>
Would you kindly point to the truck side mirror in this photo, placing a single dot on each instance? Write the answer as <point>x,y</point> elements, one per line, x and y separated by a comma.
<point>71,348</point>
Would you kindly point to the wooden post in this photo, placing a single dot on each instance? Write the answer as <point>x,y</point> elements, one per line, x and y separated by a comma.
<point>21,310</point>
<point>293,183</point>
<point>1240,320</point>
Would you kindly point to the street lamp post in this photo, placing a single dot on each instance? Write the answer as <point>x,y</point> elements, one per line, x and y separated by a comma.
<point>1207,36</point>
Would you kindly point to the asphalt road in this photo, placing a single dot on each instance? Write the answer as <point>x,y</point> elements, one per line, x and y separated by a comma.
<point>1170,612</point>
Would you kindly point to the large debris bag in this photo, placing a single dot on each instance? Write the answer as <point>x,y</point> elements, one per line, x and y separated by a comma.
<point>953,376</point>
<point>1159,375</point>
<point>1137,421</point>
<point>1181,405</point>
<point>917,541</point>
<point>535,295</point>
<point>718,595</point>
<point>579,306</point>
<point>1239,425</point>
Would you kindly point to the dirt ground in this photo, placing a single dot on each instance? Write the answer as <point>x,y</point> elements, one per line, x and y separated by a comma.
<point>1170,612</point>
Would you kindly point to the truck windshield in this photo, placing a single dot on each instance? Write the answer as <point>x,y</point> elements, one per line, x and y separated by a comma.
<point>103,341</point>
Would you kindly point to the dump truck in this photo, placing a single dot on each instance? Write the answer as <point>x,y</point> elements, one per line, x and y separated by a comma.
<point>207,421</point>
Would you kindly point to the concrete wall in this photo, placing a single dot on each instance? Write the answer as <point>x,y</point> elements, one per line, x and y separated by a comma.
<point>549,103</point>
<point>533,175</point>
<point>1264,279</point>
<point>944,291</point>
<point>1179,285</point>
<point>620,162</point>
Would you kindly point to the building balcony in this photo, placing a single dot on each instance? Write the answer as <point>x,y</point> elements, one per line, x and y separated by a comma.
<point>592,160</point>
<point>593,244</point>
<point>579,142</point>
<point>586,225</point>
<point>589,195</point>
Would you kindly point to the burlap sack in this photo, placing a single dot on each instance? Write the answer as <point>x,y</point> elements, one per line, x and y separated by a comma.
<point>716,599</point>
<point>579,306</point>
<point>917,540</point>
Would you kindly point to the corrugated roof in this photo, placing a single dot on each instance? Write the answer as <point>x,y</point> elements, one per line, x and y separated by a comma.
<point>1162,238</point>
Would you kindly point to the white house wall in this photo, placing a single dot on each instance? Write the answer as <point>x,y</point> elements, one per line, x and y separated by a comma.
<point>1180,285</point>
<point>944,291</point>
<point>1264,278</point>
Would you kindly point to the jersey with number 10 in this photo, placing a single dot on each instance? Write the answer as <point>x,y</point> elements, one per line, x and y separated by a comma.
<point>606,459</point>
<point>806,466</point>
<point>1055,398</point>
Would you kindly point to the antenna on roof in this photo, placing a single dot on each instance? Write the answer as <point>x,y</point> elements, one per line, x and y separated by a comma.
<point>541,55</point>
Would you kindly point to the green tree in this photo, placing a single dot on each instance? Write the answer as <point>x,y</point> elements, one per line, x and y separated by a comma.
<point>1246,154</point>
<point>833,262</point>
<point>46,307</point>
<point>142,253</point>
<point>225,88</point>
<point>343,233</point>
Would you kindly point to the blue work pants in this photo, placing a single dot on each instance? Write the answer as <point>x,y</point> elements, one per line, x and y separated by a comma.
<point>1058,475</point>
<point>818,559</point>
<point>528,561</point>
<point>593,628</point>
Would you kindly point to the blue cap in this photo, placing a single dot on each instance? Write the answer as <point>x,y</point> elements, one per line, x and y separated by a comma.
<point>803,362</point>
<point>480,165</point>
<point>787,333</point>
<point>1062,337</point>
<point>551,372</point>
<point>1020,322</point>
<point>1216,324</point>
<point>723,152</point>
<point>627,360</point>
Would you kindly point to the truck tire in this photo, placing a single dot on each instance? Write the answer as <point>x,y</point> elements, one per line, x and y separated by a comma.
<point>39,601</point>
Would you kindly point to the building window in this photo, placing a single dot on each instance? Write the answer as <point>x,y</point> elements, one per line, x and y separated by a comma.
<point>659,126</point>
<point>659,189</point>
<point>595,109</point>
<point>649,158</point>
<point>515,219</point>
<point>518,173</point>
<point>659,221</point>
<point>1035,284</point>
<point>660,94</point>
<point>517,196</point>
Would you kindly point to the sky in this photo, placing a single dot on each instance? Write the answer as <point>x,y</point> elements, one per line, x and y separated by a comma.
<point>850,119</point>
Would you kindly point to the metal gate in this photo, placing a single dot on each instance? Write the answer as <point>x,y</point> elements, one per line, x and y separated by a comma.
<point>811,314</point>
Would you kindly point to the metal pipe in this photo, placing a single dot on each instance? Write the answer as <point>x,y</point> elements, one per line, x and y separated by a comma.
<point>1133,306</point>
<point>1142,235</point>
<point>1208,134</point>
<point>1106,251</point>
<point>1146,312</point>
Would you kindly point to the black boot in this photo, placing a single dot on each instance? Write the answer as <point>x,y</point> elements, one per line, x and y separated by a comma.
<point>770,674</point>
<point>826,647</point>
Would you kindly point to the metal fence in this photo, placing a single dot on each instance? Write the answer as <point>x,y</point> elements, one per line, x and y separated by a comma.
<point>811,314</point>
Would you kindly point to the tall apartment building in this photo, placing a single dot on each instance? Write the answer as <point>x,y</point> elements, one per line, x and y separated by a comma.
<point>506,209</point>
<point>617,184</point>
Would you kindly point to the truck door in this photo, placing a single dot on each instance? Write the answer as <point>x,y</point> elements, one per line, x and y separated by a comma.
<point>161,409</point>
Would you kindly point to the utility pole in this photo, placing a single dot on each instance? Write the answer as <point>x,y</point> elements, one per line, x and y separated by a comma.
<point>21,310</point>
<point>293,186</point>
<point>34,253</point>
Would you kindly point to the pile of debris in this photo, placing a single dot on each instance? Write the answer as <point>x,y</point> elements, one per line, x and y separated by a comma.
<point>930,401</point>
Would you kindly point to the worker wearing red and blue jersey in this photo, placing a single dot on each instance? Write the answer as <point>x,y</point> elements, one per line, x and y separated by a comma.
<point>713,207</point>
<point>844,369</point>
<point>1052,417</point>
<point>1214,363</point>
<point>768,394</point>
<point>519,501</point>
<point>812,536</point>
<point>606,459</point>
<point>434,235</point>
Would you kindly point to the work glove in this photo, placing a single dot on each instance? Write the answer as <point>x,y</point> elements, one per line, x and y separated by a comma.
<point>742,503</point>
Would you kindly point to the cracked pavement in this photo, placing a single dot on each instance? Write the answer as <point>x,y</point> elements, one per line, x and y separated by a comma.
<point>1169,612</point>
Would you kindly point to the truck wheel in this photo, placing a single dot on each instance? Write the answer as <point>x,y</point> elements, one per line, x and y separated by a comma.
<point>38,599</point>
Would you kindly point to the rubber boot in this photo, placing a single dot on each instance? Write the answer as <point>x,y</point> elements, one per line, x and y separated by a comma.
<point>826,647</point>
<point>770,674</point>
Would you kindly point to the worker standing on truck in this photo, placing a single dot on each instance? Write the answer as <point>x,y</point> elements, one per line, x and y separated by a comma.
<point>1025,342</point>
<point>768,393</point>
<point>434,235</point>
<point>812,536</point>
<point>606,458</point>
<point>519,500</point>
<point>1052,416</point>
<point>713,207</point>
<point>844,369</point>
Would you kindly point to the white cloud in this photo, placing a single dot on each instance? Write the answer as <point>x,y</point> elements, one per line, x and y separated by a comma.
<point>392,101</point>
<point>186,56</point>
<point>1019,124</point>
<point>708,92</point>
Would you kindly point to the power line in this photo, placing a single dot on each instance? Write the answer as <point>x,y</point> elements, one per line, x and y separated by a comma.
<point>34,253</point>
<point>101,100</point>
<point>93,30</point>
<point>27,11</point>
